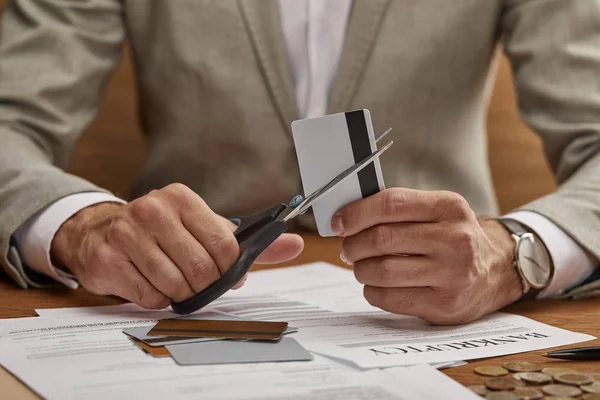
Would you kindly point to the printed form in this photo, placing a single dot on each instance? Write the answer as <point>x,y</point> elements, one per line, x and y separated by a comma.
<point>326,304</point>
<point>82,352</point>
<point>89,357</point>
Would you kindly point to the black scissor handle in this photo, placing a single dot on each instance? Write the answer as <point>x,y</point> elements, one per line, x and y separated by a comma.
<point>254,234</point>
<point>247,226</point>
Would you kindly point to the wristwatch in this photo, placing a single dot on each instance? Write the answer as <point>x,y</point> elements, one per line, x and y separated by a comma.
<point>532,259</point>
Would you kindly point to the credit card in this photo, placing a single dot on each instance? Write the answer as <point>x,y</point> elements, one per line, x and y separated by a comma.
<point>326,146</point>
<point>219,328</point>
<point>155,351</point>
<point>227,351</point>
<point>141,333</point>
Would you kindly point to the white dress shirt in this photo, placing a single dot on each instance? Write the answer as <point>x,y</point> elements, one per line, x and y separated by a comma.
<point>314,33</point>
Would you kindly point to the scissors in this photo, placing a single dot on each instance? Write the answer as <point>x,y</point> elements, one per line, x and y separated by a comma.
<point>256,232</point>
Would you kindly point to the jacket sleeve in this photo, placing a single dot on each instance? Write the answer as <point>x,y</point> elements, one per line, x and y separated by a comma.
<point>554,47</point>
<point>55,58</point>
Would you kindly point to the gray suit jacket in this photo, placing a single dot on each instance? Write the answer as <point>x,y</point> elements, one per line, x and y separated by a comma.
<point>217,98</point>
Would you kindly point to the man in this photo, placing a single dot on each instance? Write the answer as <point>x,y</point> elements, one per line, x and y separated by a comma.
<point>221,81</point>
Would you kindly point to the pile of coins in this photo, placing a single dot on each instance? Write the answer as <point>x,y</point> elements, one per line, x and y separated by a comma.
<point>530,381</point>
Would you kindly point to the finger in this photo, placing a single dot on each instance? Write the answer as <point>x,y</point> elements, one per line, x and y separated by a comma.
<point>212,231</point>
<point>387,239</point>
<point>406,301</point>
<point>133,286</point>
<point>397,205</point>
<point>196,264</point>
<point>241,282</point>
<point>194,261</point>
<point>399,272</point>
<point>156,266</point>
<point>288,246</point>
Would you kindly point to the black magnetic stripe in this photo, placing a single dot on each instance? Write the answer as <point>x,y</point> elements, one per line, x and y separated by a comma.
<point>361,148</point>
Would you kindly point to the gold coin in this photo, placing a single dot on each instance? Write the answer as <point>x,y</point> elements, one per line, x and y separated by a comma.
<point>528,394</point>
<point>553,371</point>
<point>561,390</point>
<point>576,379</point>
<point>502,383</point>
<point>522,366</point>
<point>503,395</point>
<point>533,377</point>
<point>491,370</point>
<point>558,398</point>
<point>479,389</point>
<point>593,388</point>
<point>595,375</point>
<point>591,396</point>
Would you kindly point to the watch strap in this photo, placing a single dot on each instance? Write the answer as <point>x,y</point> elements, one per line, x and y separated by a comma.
<point>531,294</point>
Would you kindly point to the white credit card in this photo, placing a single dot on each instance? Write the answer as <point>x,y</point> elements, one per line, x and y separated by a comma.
<point>328,145</point>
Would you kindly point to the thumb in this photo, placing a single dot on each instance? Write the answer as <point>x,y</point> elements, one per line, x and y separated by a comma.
<point>284,248</point>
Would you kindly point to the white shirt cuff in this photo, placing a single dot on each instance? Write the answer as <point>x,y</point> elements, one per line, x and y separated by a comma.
<point>34,237</point>
<point>572,264</point>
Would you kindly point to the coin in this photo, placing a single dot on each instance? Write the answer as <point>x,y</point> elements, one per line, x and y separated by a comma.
<point>502,383</point>
<point>479,389</point>
<point>593,388</point>
<point>595,375</point>
<point>553,371</point>
<point>576,379</point>
<point>528,394</point>
<point>503,395</point>
<point>533,377</point>
<point>522,366</point>
<point>591,396</point>
<point>558,398</point>
<point>491,370</point>
<point>561,390</point>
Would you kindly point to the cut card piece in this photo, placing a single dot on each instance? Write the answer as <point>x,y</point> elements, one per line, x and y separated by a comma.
<point>141,333</point>
<point>156,351</point>
<point>226,352</point>
<point>219,328</point>
<point>328,145</point>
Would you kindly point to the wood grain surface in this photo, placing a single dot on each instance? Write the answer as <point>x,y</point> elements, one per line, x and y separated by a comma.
<point>580,316</point>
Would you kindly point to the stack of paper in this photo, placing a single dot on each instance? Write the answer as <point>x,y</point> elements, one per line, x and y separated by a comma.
<point>326,305</point>
<point>83,352</point>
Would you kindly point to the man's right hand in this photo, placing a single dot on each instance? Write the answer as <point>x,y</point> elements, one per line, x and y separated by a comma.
<point>160,248</point>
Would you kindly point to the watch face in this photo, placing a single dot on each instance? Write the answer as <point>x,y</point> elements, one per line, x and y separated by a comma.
<point>534,261</point>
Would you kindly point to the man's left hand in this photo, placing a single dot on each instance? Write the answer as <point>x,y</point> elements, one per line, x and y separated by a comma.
<point>426,254</point>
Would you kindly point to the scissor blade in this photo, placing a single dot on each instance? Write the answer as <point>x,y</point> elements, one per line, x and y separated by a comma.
<point>378,138</point>
<point>314,196</point>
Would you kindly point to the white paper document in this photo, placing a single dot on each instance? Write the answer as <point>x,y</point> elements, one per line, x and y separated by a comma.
<point>135,310</point>
<point>82,352</point>
<point>325,302</point>
<point>88,357</point>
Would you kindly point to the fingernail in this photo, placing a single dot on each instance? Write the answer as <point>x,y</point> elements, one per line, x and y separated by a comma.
<point>337,225</point>
<point>343,258</point>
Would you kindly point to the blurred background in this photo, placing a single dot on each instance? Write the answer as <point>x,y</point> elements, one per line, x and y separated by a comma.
<point>112,149</point>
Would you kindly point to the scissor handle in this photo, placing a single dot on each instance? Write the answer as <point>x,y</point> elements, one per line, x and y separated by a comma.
<point>254,235</point>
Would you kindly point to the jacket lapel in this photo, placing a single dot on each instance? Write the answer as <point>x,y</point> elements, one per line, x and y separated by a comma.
<point>263,24</point>
<point>363,27</point>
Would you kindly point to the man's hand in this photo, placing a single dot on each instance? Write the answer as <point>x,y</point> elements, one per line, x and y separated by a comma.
<point>426,254</point>
<point>160,248</point>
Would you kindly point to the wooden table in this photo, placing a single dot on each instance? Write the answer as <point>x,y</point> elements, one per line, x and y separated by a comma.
<point>581,316</point>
